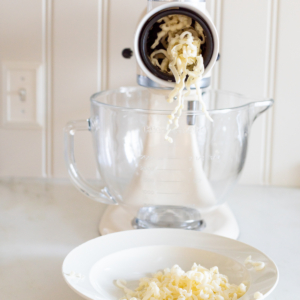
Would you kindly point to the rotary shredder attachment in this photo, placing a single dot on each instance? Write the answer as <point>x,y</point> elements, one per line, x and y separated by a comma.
<point>150,75</point>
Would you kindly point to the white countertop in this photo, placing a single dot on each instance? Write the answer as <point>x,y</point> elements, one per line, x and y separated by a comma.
<point>41,221</point>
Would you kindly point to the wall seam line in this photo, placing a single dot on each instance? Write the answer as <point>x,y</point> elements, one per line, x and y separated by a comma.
<point>269,92</point>
<point>217,11</point>
<point>103,19</point>
<point>47,163</point>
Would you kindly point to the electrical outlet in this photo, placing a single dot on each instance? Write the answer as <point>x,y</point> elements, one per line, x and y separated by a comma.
<point>21,99</point>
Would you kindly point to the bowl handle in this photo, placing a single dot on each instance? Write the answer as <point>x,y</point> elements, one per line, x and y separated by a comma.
<point>99,194</point>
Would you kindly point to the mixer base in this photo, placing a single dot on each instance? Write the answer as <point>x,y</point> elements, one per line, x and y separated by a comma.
<point>220,221</point>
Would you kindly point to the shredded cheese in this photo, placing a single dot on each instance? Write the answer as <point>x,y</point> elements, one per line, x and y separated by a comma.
<point>258,296</point>
<point>175,284</point>
<point>258,265</point>
<point>181,57</point>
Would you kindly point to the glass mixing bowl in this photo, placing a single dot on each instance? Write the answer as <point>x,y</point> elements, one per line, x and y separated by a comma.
<point>164,184</point>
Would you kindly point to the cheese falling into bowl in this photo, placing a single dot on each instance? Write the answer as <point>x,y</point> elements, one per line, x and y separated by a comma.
<point>181,57</point>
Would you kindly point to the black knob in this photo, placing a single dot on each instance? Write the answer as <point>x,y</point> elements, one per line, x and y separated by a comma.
<point>127,53</point>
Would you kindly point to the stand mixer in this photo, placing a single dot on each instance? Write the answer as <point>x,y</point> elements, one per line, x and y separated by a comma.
<point>150,182</point>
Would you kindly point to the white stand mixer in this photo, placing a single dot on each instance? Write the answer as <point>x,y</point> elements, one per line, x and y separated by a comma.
<point>218,220</point>
<point>149,182</point>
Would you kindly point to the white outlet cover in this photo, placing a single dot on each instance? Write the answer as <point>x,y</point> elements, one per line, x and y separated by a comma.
<point>22,95</point>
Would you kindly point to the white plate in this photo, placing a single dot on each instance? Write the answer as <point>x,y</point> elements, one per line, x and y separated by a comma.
<point>133,254</point>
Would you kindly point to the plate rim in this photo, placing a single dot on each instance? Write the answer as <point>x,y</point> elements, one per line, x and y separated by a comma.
<point>162,231</point>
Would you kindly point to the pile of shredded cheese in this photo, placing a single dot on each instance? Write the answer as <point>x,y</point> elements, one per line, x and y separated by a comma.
<point>182,58</point>
<point>175,284</point>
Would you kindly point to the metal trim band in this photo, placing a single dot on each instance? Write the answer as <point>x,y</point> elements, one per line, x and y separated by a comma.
<point>177,0</point>
<point>147,82</point>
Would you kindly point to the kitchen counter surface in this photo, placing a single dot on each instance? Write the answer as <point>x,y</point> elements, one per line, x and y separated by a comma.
<point>41,221</point>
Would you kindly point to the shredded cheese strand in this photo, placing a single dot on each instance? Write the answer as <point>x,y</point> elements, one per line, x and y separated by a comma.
<point>258,296</point>
<point>258,265</point>
<point>181,57</point>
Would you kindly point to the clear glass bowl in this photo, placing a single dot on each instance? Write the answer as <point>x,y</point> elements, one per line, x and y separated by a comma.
<point>164,184</point>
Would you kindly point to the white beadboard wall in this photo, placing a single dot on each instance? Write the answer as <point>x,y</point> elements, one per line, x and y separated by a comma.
<point>79,44</point>
<point>21,150</point>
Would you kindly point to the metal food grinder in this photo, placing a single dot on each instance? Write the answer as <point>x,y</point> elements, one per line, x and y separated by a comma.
<point>149,182</point>
<point>149,75</point>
